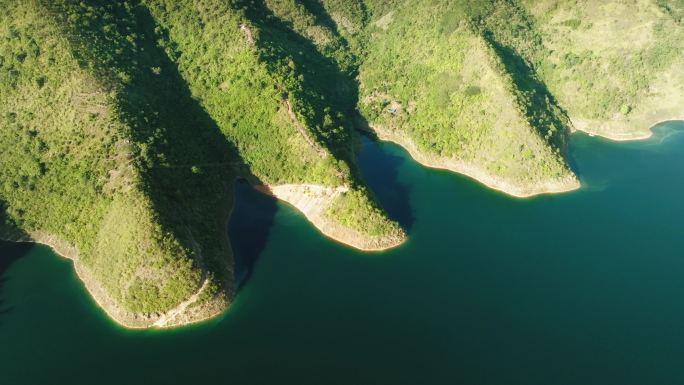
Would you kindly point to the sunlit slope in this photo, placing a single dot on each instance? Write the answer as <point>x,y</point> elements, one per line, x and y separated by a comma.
<point>76,173</point>
<point>433,82</point>
<point>247,68</point>
<point>616,66</point>
<point>311,22</point>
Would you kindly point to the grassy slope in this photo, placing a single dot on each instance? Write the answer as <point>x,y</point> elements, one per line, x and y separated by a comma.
<point>78,129</point>
<point>304,33</point>
<point>121,127</point>
<point>616,66</point>
<point>121,121</point>
<point>247,67</point>
<point>610,67</point>
<point>456,96</point>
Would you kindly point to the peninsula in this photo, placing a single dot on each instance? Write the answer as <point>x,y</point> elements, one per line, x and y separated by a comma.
<point>124,124</point>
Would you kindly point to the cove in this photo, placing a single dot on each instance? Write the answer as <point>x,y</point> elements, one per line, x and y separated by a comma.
<point>580,288</point>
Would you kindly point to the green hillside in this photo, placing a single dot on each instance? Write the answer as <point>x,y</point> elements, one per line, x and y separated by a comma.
<point>461,100</point>
<point>279,101</point>
<point>617,67</point>
<point>123,129</point>
<point>97,153</point>
<point>123,124</point>
<point>493,88</point>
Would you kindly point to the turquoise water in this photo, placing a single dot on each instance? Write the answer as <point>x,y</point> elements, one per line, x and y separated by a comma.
<point>580,288</point>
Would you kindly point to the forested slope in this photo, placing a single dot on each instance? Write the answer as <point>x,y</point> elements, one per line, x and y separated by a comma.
<point>460,101</point>
<point>284,105</point>
<point>123,129</point>
<point>610,67</point>
<point>123,124</point>
<point>617,67</point>
<point>97,157</point>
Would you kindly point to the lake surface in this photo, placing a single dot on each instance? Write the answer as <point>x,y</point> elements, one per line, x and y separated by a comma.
<point>580,288</point>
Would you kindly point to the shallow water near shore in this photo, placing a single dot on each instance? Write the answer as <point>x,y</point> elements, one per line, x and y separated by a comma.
<point>579,288</point>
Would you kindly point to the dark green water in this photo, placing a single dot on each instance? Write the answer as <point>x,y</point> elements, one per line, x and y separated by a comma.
<point>581,288</point>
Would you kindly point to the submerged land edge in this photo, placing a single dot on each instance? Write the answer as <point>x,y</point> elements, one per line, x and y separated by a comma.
<point>172,318</point>
<point>518,190</point>
<point>311,201</point>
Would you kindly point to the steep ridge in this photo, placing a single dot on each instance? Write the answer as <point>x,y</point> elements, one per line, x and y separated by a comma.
<point>109,158</point>
<point>512,40</point>
<point>89,141</point>
<point>346,17</point>
<point>124,124</point>
<point>600,67</point>
<point>617,67</point>
<point>311,21</point>
<point>278,105</point>
<point>456,104</point>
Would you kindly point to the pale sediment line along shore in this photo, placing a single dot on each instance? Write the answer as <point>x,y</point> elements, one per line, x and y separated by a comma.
<point>500,184</point>
<point>619,135</point>
<point>172,318</point>
<point>314,201</point>
<point>519,190</point>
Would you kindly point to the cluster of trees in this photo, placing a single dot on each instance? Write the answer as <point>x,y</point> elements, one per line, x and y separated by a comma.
<point>97,133</point>
<point>45,166</point>
<point>584,60</point>
<point>122,123</point>
<point>461,94</point>
<point>549,67</point>
<point>356,211</point>
<point>243,96</point>
<point>298,61</point>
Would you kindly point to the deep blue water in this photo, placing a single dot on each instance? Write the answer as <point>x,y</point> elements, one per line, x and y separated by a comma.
<point>579,289</point>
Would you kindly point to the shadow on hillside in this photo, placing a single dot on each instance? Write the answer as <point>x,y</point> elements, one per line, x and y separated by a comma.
<point>339,89</point>
<point>322,83</point>
<point>249,228</point>
<point>316,8</point>
<point>194,188</point>
<point>187,164</point>
<point>545,109</point>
